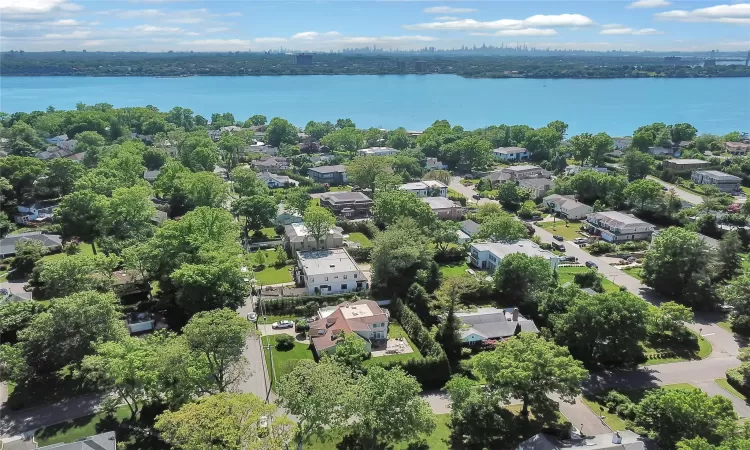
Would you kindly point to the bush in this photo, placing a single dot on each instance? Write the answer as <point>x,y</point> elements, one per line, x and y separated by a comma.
<point>614,400</point>
<point>589,279</point>
<point>288,305</point>
<point>599,247</point>
<point>301,326</point>
<point>366,227</point>
<point>634,246</point>
<point>284,342</point>
<point>71,248</point>
<point>451,254</point>
<point>465,352</point>
<point>361,254</point>
<point>279,229</point>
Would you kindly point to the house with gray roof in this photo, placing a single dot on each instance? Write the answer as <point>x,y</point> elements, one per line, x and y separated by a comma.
<point>618,440</point>
<point>331,175</point>
<point>723,181</point>
<point>349,205</point>
<point>103,441</point>
<point>52,242</point>
<point>493,323</point>
<point>469,227</point>
<point>273,180</point>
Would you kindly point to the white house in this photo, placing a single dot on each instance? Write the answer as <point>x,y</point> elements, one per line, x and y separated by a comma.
<point>273,180</point>
<point>427,188</point>
<point>434,164</point>
<point>537,186</point>
<point>364,318</point>
<point>377,151</point>
<point>510,153</point>
<point>615,227</point>
<point>723,181</point>
<point>567,206</point>
<point>37,211</point>
<point>621,143</point>
<point>493,323</point>
<point>462,237</point>
<point>488,255</point>
<point>331,271</point>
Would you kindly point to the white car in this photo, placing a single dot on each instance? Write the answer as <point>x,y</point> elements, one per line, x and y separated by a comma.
<point>252,316</point>
<point>282,324</point>
<point>580,240</point>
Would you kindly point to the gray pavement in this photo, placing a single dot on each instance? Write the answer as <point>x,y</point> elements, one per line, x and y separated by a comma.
<point>711,388</point>
<point>689,197</point>
<point>14,423</point>
<point>256,380</point>
<point>581,416</point>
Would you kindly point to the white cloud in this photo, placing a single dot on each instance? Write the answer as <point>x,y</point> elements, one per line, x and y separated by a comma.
<point>67,23</point>
<point>216,29</point>
<point>269,40</point>
<point>631,31</point>
<point>736,14</point>
<point>35,10</point>
<point>151,29</point>
<point>448,10</point>
<point>560,20</point>
<point>612,25</point>
<point>72,35</point>
<point>444,18</point>
<point>521,32</point>
<point>310,35</point>
<point>649,4</point>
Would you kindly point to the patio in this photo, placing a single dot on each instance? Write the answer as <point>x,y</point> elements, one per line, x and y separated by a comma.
<point>397,346</point>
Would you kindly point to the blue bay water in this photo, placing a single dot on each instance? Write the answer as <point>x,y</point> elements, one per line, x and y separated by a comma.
<point>617,106</point>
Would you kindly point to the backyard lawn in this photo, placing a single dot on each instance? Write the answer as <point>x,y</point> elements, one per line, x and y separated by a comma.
<point>360,239</point>
<point>340,189</point>
<point>568,233</point>
<point>272,274</point>
<point>83,249</point>
<point>454,270</point>
<point>284,361</point>
<point>72,430</point>
<point>395,331</point>
<point>566,274</point>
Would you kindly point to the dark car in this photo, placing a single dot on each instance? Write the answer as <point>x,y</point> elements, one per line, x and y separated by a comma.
<point>558,246</point>
<point>591,265</point>
<point>568,259</point>
<point>476,196</point>
<point>537,217</point>
<point>557,237</point>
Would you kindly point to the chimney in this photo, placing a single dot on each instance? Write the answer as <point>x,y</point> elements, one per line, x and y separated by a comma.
<point>515,314</point>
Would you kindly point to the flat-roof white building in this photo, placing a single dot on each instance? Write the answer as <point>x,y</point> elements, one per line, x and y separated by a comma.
<point>723,181</point>
<point>487,255</point>
<point>330,271</point>
<point>427,188</point>
<point>377,151</point>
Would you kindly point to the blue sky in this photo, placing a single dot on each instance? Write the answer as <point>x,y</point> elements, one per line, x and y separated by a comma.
<point>217,25</point>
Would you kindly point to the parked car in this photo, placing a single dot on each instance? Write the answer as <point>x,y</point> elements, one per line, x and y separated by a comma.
<point>476,196</point>
<point>282,324</point>
<point>252,317</point>
<point>557,237</point>
<point>591,265</point>
<point>558,246</point>
<point>580,240</point>
<point>568,259</point>
<point>536,217</point>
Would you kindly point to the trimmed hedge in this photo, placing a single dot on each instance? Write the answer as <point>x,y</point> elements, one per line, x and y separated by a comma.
<point>361,254</point>
<point>451,254</point>
<point>366,227</point>
<point>299,305</point>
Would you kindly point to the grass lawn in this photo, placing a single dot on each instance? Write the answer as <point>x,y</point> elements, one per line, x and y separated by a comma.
<point>272,274</point>
<point>340,189</point>
<point>746,190</point>
<point>4,276</point>
<point>83,249</point>
<point>679,353</point>
<point>565,274</point>
<point>360,239</point>
<point>726,325</point>
<point>269,233</point>
<point>454,193</point>
<point>635,272</point>
<point>568,233</point>
<point>724,384</point>
<point>72,430</point>
<point>454,270</point>
<point>395,331</point>
<point>284,361</point>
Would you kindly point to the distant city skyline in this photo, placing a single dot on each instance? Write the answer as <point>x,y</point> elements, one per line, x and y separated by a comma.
<point>185,25</point>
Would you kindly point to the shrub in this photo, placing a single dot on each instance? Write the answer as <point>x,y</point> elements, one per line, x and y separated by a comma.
<point>284,342</point>
<point>451,254</point>
<point>614,400</point>
<point>71,248</point>
<point>599,247</point>
<point>279,229</point>
<point>589,279</point>
<point>366,227</point>
<point>465,352</point>
<point>301,326</point>
<point>361,254</point>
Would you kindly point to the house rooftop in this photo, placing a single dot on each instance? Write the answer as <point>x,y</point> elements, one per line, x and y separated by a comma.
<point>501,250</point>
<point>328,169</point>
<point>439,202</point>
<point>536,182</point>
<point>617,218</point>
<point>8,245</point>
<point>521,168</point>
<point>298,231</point>
<point>321,262</point>
<point>687,161</point>
<point>103,441</point>
<point>494,323</point>
<point>344,197</point>
<point>509,150</point>
<point>426,184</point>
<point>346,317</point>
<point>620,440</point>
<point>470,226</point>
<point>717,175</point>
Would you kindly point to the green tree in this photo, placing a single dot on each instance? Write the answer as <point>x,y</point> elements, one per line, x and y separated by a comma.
<point>80,215</point>
<point>280,131</point>
<point>154,158</point>
<point>213,281</point>
<point>398,139</point>
<point>398,254</point>
<point>226,422</point>
<point>62,176</point>
<point>256,120</point>
<point>390,206</point>
<point>510,196</point>
<point>363,170</point>
<point>667,320</point>
<point>28,254</point>
<point>644,194</point>
<point>601,145</point>
<point>680,132</point>
<point>528,367</point>
<point>604,329</point>
<point>15,316</point>
<point>129,213</point>
<point>318,130</point>
<point>637,164</point>
<point>478,417</point>
<point>345,123</point>
<point>343,140</point>
<point>442,176</point>
<point>736,293</point>
<point>90,143</point>
<point>502,227</point>
<point>22,173</point>
<point>729,256</point>
<point>259,259</point>
<point>519,278</point>
<point>204,189</point>
<point>257,210</point>
<point>448,335</point>
<point>306,393</point>
<point>182,117</point>
<point>218,338</point>
<point>23,140</point>
<point>676,265</point>
<point>467,153</point>
<point>381,392</point>
<point>318,221</point>
<point>582,146</point>
<point>350,352</point>
<point>670,415</point>
<point>230,145</point>
<point>444,233</point>
<point>246,182</point>
<point>74,273</point>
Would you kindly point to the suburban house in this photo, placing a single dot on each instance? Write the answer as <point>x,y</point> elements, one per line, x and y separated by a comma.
<point>53,242</point>
<point>68,145</point>
<point>286,216</point>
<point>685,164</point>
<point>103,441</point>
<point>331,271</point>
<point>260,147</point>
<point>493,323</point>
<point>619,440</point>
<point>510,153</point>
<point>350,205</point>
<point>331,175</point>
<point>462,237</point>
<point>273,180</point>
<point>321,158</point>
<point>297,238</point>
<point>427,188</point>
<point>724,181</point>
<point>434,164</point>
<point>516,173</point>
<point>573,169</point>
<point>737,148</point>
<point>52,153</point>
<point>656,151</point>
<point>271,164</point>
<point>538,186</point>
<point>377,151</point>
<point>615,227</point>
<point>469,227</point>
<point>444,208</point>
<point>35,212</point>
<point>621,143</point>
<point>364,318</point>
<point>56,139</point>
<point>151,175</point>
<point>567,206</point>
<point>488,255</point>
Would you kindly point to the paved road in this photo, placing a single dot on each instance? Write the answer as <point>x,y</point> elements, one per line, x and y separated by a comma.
<point>689,197</point>
<point>257,381</point>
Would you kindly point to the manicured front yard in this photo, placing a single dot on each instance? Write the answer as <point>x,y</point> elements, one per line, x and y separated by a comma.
<point>73,430</point>
<point>454,270</point>
<point>272,274</point>
<point>724,384</point>
<point>558,227</point>
<point>676,353</point>
<point>635,272</point>
<point>360,239</point>
<point>395,331</point>
<point>283,361</point>
<point>83,249</point>
<point>567,274</point>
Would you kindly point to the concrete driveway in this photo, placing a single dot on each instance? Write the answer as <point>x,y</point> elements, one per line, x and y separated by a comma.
<point>256,380</point>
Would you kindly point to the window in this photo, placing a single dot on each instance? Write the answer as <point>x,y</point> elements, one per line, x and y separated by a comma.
<point>326,278</point>
<point>346,276</point>
<point>355,275</point>
<point>343,287</point>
